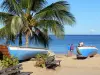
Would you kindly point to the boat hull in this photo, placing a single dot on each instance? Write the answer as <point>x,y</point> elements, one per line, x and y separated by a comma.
<point>24,53</point>
<point>86,51</point>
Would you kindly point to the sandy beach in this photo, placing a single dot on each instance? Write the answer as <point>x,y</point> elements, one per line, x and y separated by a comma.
<point>69,66</point>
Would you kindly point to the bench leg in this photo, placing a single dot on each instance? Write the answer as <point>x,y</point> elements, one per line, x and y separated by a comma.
<point>59,63</point>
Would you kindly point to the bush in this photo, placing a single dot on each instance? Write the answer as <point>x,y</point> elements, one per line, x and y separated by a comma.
<point>8,62</point>
<point>40,60</point>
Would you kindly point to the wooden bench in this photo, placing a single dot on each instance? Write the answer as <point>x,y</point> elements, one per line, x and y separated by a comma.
<point>15,70</point>
<point>58,62</point>
<point>51,62</point>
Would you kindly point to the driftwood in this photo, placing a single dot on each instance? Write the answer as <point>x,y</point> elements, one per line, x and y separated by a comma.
<point>52,63</point>
<point>15,70</point>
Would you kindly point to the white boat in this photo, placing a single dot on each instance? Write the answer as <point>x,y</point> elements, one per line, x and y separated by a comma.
<point>86,51</point>
<point>22,53</point>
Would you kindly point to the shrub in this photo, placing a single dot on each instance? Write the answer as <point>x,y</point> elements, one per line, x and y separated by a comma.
<point>8,62</point>
<point>40,60</point>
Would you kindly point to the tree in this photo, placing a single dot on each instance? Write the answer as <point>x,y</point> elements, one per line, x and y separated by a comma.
<point>34,19</point>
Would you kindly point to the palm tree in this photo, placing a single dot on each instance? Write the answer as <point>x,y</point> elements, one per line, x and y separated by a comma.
<point>34,19</point>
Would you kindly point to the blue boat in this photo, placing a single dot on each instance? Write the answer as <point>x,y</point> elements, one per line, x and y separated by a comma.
<point>86,51</point>
<point>22,53</point>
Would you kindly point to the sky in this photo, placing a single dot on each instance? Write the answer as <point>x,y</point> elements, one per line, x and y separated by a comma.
<point>87,14</point>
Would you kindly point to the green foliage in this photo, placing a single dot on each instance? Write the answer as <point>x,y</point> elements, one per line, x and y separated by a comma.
<point>40,60</point>
<point>51,18</point>
<point>8,62</point>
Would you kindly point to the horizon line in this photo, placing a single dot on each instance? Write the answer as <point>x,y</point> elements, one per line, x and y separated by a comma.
<point>78,34</point>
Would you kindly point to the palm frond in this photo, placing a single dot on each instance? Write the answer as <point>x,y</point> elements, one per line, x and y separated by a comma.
<point>32,5</point>
<point>52,25</point>
<point>57,11</point>
<point>17,6</point>
<point>11,6</point>
<point>5,32</point>
<point>40,38</point>
<point>25,5</point>
<point>37,5</point>
<point>5,16</point>
<point>16,25</point>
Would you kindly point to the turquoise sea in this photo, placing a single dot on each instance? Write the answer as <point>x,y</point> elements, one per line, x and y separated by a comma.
<point>59,46</point>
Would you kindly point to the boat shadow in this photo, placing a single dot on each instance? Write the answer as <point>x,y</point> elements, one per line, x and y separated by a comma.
<point>80,58</point>
<point>21,61</point>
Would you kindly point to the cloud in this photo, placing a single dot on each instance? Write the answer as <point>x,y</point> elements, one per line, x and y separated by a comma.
<point>92,30</point>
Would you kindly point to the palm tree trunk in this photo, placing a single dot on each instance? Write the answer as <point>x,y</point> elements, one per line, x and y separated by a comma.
<point>27,38</point>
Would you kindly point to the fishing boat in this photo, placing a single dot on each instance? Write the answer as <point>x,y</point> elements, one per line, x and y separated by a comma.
<point>86,51</point>
<point>22,53</point>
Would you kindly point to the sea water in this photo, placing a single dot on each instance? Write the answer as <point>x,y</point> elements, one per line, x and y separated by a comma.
<point>59,46</point>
